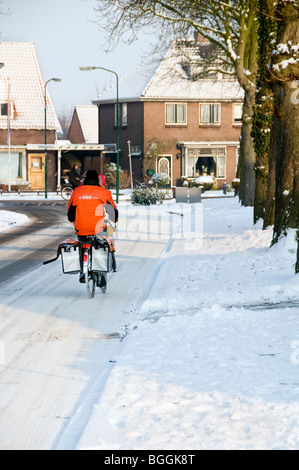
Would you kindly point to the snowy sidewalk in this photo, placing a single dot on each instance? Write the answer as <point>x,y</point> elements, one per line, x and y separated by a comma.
<point>212,363</point>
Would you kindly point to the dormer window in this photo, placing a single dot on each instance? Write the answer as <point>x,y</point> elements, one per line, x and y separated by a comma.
<point>199,70</point>
<point>4,109</point>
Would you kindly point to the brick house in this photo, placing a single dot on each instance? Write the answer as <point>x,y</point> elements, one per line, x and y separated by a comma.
<point>22,133</point>
<point>176,122</point>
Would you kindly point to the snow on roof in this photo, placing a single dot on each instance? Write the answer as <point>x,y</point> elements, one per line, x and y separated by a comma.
<point>22,72</point>
<point>167,79</point>
<point>130,86</point>
<point>88,118</point>
<point>172,82</point>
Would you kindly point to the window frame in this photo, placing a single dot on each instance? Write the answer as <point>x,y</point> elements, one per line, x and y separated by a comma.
<point>239,122</point>
<point>122,111</point>
<point>209,123</point>
<point>124,114</point>
<point>217,153</point>
<point>18,165</point>
<point>11,107</point>
<point>176,122</point>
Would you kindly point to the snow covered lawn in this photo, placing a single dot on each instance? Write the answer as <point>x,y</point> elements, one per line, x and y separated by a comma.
<point>213,363</point>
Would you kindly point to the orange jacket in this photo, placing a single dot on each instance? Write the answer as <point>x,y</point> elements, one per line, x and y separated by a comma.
<point>86,209</point>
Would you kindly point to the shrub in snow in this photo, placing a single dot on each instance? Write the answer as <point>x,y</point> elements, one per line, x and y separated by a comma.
<point>110,174</point>
<point>147,196</point>
<point>206,181</point>
<point>236,185</point>
<point>160,179</point>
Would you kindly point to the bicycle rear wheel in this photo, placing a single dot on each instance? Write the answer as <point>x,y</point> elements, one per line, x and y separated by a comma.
<point>90,281</point>
<point>90,276</point>
<point>66,192</point>
<point>104,287</point>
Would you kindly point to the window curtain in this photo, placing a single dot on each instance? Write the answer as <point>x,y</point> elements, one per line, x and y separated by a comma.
<point>15,169</point>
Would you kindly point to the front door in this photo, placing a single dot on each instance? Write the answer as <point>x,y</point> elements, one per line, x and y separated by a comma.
<point>37,171</point>
<point>164,166</point>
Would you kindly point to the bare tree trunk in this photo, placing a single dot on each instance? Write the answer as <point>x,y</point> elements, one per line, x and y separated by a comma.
<point>263,116</point>
<point>286,121</point>
<point>247,155</point>
<point>270,196</point>
<point>286,151</point>
<point>246,71</point>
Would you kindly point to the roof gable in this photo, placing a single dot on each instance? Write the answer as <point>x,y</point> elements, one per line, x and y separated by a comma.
<point>22,75</point>
<point>171,81</point>
<point>88,119</point>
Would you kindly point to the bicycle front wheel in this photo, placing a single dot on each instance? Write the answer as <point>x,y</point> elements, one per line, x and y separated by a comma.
<point>66,192</point>
<point>90,281</point>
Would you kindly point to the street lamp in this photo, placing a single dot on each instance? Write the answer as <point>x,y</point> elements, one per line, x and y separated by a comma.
<point>92,67</point>
<point>46,154</point>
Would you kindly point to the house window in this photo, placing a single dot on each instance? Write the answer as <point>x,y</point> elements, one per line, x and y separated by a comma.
<point>198,70</point>
<point>211,161</point>
<point>4,109</point>
<point>124,114</point>
<point>109,148</point>
<point>176,113</point>
<point>136,150</point>
<point>16,166</point>
<point>210,114</point>
<point>237,113</point>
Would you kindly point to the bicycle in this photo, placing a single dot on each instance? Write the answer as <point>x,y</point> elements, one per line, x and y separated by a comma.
<point>92,257</point>
<point>98,258</point>
<point>95,268</point>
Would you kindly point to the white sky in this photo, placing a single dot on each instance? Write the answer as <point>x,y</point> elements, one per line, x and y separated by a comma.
<point>66,38</point>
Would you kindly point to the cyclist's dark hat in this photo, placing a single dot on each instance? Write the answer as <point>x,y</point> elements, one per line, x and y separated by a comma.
<point>92,177</point>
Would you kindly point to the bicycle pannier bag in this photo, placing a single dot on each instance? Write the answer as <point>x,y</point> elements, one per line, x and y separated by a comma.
<point>101,259</point>
<point>70,258</point>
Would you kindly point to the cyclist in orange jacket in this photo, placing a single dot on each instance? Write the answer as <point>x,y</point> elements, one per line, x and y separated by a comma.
<point>87,206</point>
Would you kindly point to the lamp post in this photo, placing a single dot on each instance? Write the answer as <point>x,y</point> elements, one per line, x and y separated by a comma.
<point>92,67</point>
<point>46,153</point>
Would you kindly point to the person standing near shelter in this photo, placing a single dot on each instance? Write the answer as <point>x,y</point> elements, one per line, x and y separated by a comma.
<point>74,176</point>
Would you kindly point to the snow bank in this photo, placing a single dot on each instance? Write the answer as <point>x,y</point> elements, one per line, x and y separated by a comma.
<point>8,220</point>
<point>213,363</point>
